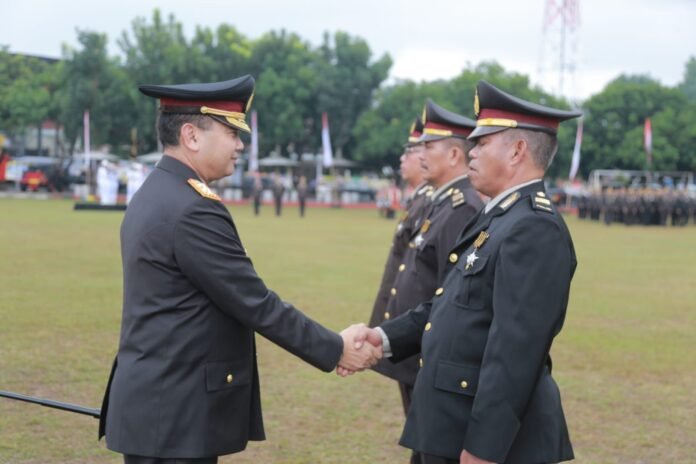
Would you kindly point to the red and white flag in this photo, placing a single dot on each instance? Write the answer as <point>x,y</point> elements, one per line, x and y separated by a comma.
<point>647,141</point>
<point>254,148</point>
<point>326,141</point>
<point>575,162</point>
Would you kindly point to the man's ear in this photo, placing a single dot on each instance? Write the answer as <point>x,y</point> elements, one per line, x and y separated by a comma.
<point>188,136</point>
<point>520,151</point>
<point>454,155</point>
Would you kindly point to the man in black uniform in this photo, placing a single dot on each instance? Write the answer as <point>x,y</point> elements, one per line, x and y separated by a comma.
<point>453,203</point>
<point>485,392</point>
<point>257,192</point>
<point>278,192</point>
<point>412,175</point>
<point>184,386</point>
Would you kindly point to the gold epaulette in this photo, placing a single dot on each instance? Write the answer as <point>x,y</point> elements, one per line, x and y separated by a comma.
<point>203,190</point>
<point>458,198</point>
<point>539,201</point>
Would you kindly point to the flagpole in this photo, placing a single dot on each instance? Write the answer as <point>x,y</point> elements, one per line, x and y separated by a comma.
<point>254,149</point>
<point>87,147</point>
<point>647,143</point>
<point>575,162</point>
<point>327,156</point>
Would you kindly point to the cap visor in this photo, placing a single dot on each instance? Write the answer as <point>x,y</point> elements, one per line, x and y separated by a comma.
<point>480,131</point>
<point>233,123</point>
<point>432,137</point>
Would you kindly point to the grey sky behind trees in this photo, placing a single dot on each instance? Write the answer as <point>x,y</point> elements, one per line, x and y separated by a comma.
<point>426,40</point>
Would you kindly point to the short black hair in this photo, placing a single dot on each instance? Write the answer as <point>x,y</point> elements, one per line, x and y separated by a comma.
<point>169,126</point>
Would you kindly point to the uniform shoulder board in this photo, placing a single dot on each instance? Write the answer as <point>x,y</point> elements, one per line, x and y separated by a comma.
<point>203,190</point>
<point>458,198</point>
<point>540,202</point>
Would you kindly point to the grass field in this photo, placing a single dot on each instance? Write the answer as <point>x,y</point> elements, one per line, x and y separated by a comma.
<point>625,361</point>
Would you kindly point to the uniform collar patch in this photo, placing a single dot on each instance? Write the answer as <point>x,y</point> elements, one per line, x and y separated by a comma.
<point>509,201</point>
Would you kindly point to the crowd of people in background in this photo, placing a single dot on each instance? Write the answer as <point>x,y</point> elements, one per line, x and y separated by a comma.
<point>646,206</point>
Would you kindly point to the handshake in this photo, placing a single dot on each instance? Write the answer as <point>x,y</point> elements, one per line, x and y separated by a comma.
<point>362,348</point>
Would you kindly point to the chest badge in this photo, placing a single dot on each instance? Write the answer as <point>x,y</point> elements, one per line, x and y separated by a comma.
<point>424,228</point>
<point>471,259</point>
<point>478,243</point>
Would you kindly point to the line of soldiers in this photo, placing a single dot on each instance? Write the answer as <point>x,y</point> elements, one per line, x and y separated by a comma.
<point>445,217</point>
<point>658,207</point>
<point>442,203</point>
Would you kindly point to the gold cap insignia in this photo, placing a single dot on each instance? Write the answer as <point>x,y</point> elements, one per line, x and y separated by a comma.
<point>476,103</point>
<point>203,190</point>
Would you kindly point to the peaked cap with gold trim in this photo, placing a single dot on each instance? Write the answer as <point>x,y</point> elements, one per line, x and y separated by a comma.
<point>227,102</point>
<point>415,132</point>
<point>497,110</point>
<point>439,123</point>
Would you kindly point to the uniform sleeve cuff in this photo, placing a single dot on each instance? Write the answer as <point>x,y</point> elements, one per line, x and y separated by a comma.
<point>386,347</point>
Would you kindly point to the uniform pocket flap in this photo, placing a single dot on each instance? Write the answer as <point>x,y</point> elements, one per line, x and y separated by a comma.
<point>456,378</point>
<point>222,375</point>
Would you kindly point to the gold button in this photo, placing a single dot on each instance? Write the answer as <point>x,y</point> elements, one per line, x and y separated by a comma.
<point>393,291</point>
<point>387,315</point>
<point>464,384</point>
<point>420,362</point>
<point>428,326</point>
<point>453,258</point>
<point>230,378</point>
<point>439,291</point>
<point>402,267</point>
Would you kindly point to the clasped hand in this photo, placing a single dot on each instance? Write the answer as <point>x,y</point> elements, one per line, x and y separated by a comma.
<point>358,355</point>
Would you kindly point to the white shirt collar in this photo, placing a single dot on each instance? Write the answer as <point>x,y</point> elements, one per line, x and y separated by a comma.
<point>501,196</point>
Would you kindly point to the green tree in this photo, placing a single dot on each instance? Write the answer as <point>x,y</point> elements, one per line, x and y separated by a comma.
<point>688,85</point>
<point>219,55</point>
<point>26,92</point>
<point>286,80</point>
<point>618,112</point>
<point>346,84</point>
<point>91,81</point>
<point>155,53</point>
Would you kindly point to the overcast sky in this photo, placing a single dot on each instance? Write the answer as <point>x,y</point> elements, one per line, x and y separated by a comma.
<point>426,39</point>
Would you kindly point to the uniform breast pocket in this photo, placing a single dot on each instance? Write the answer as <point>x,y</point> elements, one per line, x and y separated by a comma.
<point>471,286</point>
<point>225,375</point>
<point>456,378</point>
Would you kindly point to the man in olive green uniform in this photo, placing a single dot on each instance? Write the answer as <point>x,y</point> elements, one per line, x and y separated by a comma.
<point>453,203</point>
